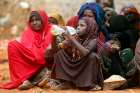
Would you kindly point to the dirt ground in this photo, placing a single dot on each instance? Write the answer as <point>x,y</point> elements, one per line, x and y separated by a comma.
<point>4,77</point>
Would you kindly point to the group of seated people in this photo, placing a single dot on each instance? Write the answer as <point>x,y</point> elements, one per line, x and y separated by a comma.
<point>104,43</point>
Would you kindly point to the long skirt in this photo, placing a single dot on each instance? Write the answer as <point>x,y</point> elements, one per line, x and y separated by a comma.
<point>85,72</point>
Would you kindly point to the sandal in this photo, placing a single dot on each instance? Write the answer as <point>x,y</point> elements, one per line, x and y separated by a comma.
<point>26,85</point>
<point>61,86</point>
<point>52,83</point>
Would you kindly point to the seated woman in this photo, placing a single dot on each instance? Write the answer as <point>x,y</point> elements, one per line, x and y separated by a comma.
<point>133,73</point>
<point>133,16</point>
<point>26,55</point>
<point>78,62</point>
<point>116,62</point>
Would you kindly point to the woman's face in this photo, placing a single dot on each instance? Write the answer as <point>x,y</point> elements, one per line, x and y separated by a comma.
<point>81,28</point>
<point>108,15</point>
<point>53,21</point>
<point>123,11</point>
<point>36,23</point>
<point>88,13</point>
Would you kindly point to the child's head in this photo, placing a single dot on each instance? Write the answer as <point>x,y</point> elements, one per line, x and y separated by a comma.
<point>87,27</point>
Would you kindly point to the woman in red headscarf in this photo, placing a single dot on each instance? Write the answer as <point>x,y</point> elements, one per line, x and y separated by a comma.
<point>132,15</point>
<point>26,55</point>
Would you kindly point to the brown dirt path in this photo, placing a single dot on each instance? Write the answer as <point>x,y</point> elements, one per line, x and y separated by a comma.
<point>4,76</point>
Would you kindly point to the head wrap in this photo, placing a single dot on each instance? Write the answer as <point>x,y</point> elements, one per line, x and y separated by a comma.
<point>58,18</point>
<point>96,9</point>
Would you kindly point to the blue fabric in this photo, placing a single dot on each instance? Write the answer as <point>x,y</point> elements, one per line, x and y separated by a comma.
<point>96,9</point>
<point>99,14</point>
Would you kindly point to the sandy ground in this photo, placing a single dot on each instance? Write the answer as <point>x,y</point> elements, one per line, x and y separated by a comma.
<point>4,77</point>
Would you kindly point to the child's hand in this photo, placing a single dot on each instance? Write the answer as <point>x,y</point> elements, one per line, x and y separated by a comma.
<point>65,44</point>
<point>67,35</point>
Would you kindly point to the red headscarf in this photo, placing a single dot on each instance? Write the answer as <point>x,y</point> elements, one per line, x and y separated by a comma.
<point>137,15</point>
<point>38,41</point>
<point>73,21</point>
<point>26,57</point>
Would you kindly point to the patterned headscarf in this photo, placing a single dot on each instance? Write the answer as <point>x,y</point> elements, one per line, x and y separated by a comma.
<point>109,11</point>
<point>92,27</point>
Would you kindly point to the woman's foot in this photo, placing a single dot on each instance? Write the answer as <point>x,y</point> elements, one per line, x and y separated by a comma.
<point>43,82</point>
<point>50,84</point>
<point>61,85</point>
<point>26,85</point>
<point>45,79</point>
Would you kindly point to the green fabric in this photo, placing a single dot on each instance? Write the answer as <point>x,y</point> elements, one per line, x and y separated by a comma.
<point>106,66</point>
<point>126,55</point>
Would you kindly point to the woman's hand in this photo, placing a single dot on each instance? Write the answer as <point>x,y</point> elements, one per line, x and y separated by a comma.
<point>112,46</point>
